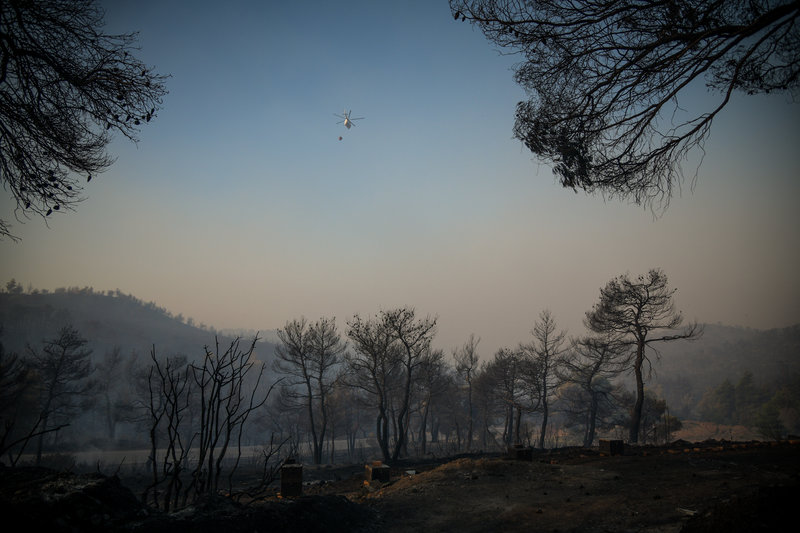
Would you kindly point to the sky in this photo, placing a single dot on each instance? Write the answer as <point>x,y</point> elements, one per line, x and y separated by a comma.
<point>241,208</point>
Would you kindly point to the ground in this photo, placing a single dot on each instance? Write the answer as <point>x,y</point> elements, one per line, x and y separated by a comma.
<point>684,487</point>
<point>655,490</point>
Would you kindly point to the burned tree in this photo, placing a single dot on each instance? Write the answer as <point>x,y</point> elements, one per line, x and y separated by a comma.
<point>502,379</point>
<point>308,356</point>
<point>413,338</point>
<point>544,361</point>
<point>19,420</point>
<point>590,364</point>
<point>606,79</point>
<point>222,392</point>
<point>168,399</point>
<point>633,311</point>
<point>349,406</point>
<point>467,359</point>
<point>373,367</point>
<point>227,400</point>
<point>432,383</point>
<point>115,393</point>
<point>65,88</point>
<point>62,368</point>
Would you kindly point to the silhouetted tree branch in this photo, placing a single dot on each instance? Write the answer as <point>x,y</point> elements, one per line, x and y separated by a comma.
<point>590,364</point>
<point>65,87</point>
<point>225,406</point>
<point>414,337</point>
<point>605,77</point>
<point>545,351</point>
<point>308,355</point>
<point>373,367</point>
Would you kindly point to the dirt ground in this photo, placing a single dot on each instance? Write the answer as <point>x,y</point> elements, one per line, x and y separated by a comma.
<point>684,487</point>
<point>690,488</point>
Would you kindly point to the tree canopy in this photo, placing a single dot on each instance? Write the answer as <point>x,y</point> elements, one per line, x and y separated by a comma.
<point>65,88</point>
<point>606,78</point>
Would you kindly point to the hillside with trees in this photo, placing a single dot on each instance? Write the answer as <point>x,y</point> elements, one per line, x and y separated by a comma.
<point>685,371</point>
<point>108,319</point>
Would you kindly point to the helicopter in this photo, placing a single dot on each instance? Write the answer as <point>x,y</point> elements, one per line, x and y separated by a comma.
<point>347,120</point>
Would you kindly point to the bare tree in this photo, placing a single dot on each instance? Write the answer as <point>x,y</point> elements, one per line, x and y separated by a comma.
<point>169,395</point>
<point>62,367</point>
<point>487,404</point>
<point>349,408</point>
<point>590,364</point>
<point>657,425</point>
<point>413,336</point>
<point>308,356</point>
<point>270,467</point>
<point>467,360</point>
<point>503,376</point>
<point>432,382</point>
<point>373,367</point>
<point>108,374</point>
<point>448,412</point>
<point>225,392</point>
<point>632,311</point>
<point>20,421</point>
<point>545,355</point>
<point>605,79</point>
<point>226,402</point>
<point>65,87</point>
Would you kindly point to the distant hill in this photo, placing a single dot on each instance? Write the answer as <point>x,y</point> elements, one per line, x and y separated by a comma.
<point>106,319</point>
<point>724,351</point>
<point>686,369</point>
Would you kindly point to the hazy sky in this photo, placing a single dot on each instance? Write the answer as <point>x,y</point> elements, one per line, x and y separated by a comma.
<point>241,208</point>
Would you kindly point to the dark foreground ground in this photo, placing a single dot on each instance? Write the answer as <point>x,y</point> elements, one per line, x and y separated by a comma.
<point>691,488</point>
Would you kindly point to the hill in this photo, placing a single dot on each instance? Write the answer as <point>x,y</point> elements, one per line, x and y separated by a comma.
<point>684,370</point>
<point>724,351</point>
<point>107,320</point>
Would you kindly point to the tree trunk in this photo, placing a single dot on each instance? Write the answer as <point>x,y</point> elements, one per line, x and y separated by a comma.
<point>590,425</point>
<point>315,444</point>
<point>485,433</point>
<point>545,412</point>
<point>323,413</point>
<point>636,416</point>
<point>333,444</point>
<point>111,424</point>
<point>469,416</point>
<point>423,429</point>
<point>382,434</point>
<point>41,441</point>
<point>544,423</point>
<point>508,429</point>
<point>402,428</point>
<point>351,444</point>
